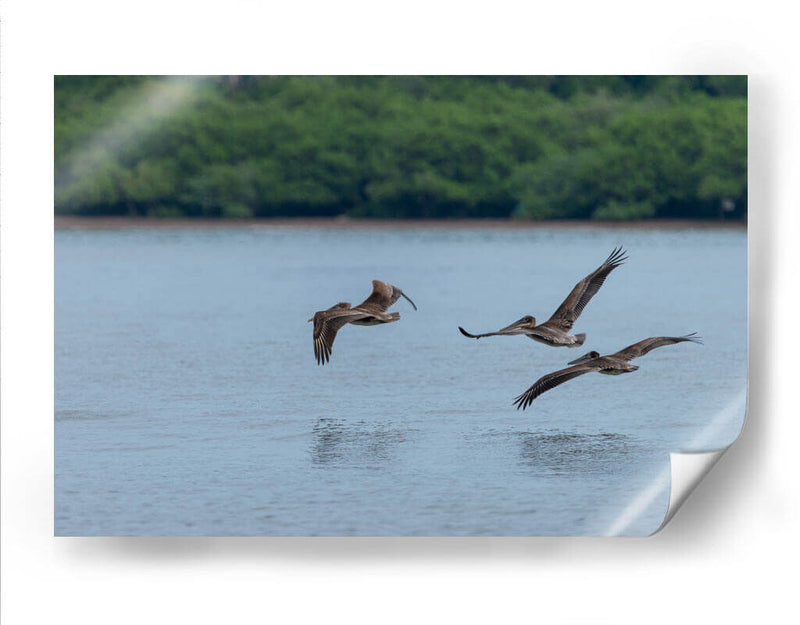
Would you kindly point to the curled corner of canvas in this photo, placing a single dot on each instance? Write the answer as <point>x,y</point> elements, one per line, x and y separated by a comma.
<point>687,469</point>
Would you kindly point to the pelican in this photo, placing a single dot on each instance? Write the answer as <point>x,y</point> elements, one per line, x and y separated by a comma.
<point>614,364</point>
<point>370,312</point>
<point>555,331</point>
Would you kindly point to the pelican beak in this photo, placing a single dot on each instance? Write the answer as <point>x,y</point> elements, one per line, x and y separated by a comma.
<point>312,319</point>
<point>582,359</point>
<point>409,300</point>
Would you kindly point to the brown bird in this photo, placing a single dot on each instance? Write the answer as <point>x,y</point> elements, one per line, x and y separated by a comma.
<point>614,364</point>
<point>370,312</point>
<point>555,331</point>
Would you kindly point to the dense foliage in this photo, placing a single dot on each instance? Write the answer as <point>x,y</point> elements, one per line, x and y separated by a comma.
<point>601,147</point>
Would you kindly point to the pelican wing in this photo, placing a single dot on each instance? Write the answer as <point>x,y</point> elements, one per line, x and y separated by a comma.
<point>498,333</point>
<point>647,345</point>
<point>551,380</point>
<point>576,301</point>
<point>326,324</point>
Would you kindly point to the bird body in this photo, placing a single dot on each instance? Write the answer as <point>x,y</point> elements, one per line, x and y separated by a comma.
<point>556,330</point>
<point>614,364</point>
<point>370,312</point>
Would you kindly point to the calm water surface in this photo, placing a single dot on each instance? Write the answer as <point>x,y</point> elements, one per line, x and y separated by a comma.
<point>188,400</point>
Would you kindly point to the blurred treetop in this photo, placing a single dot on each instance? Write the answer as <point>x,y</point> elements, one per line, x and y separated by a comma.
<point>531,147</point>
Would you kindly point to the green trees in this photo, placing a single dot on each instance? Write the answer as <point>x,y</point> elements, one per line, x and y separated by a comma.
<point>678,160</point>
<point>530,147</point>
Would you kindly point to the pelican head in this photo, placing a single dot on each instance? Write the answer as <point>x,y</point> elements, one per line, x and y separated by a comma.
<point>585,358</point>
<point>526,323</point>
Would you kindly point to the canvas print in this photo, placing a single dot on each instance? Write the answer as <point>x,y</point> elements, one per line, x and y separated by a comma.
<point>377,305</point>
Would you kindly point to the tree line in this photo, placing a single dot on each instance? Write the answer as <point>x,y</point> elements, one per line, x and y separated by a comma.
<point>528,147</point>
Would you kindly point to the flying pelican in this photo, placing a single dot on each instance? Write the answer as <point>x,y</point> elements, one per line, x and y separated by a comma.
<point>370,312</point>
<point>614,364</point>
<point>555,331</point>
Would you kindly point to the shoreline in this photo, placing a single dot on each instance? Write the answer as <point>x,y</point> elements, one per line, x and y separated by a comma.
<point>75,222</point>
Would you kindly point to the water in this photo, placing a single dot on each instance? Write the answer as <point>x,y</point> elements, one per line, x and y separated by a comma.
<point>188,400</point>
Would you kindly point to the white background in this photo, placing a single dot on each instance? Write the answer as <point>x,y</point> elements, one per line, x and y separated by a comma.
<point>728,556</point>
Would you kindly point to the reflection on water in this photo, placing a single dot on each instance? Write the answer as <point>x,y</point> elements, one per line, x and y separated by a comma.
<point>568,453</point>
<point>339,442</point>
<point>188,399</point>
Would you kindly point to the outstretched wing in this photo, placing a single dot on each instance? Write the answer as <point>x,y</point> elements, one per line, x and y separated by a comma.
<point>498,333</point>
<point>551,380</point>
<point>326,324</point>
<point>647,345</point>
<point>576,301</point>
